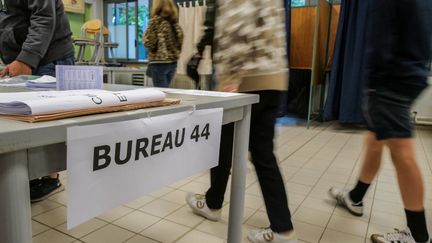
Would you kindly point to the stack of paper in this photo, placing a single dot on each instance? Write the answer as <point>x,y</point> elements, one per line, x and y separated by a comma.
<point>45,82</point>
<point>13,82</point>
<point>49,102</point>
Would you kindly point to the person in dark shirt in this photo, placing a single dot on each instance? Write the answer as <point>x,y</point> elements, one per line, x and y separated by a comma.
<point>35,36</point>
<point>398,50</point>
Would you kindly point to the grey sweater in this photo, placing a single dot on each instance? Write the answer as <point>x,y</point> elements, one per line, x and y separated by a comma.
<point>35,32</point>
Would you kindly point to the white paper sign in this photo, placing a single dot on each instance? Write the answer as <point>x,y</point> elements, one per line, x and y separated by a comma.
<point>112,164</point>
<point>79,77</point>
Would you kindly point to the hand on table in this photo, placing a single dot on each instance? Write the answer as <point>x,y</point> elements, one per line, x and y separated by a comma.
<point>16,68</point>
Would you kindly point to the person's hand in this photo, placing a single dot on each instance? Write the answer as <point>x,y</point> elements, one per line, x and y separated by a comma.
<point>17,68</point>
<point>4,72</point>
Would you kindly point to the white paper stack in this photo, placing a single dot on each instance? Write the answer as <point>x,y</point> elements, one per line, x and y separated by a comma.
<point>48,102</point>
<point>13,82</point>
<point>45,82</point>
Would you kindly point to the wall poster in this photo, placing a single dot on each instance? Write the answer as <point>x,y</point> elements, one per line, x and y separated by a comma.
<point>75,6</point>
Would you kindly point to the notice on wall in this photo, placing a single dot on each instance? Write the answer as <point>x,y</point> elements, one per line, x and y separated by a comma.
<point>112,164</point>
<point>79,77</point>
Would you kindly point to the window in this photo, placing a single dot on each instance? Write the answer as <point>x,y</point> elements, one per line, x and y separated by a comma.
<point>303,3</point>
<point>298,3</point>
<point>126,20</point>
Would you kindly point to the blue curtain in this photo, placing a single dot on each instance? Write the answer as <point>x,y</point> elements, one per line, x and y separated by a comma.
<point>346,80</point>
<point>284,97</point>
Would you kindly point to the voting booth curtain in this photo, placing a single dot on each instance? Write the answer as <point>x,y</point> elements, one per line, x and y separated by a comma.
<point>347,81</point>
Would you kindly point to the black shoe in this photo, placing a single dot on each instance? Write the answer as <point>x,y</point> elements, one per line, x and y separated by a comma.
<point>44,187</point>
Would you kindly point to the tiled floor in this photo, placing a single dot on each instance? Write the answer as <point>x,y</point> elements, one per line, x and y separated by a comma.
<point>311,160</point>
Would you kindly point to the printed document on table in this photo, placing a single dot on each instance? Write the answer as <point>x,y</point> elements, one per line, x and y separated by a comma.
<point>79,77</point>
<point>48,102</point>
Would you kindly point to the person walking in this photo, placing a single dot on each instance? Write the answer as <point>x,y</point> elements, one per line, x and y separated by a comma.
<point>249,55</point>
<point>398,50</point>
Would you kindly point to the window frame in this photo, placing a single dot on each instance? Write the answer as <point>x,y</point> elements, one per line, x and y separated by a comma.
<point>105,14</point>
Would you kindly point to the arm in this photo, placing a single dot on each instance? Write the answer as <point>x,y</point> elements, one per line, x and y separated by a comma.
<point>150,36</point>
<point>40,32</point>
<point>180,35</point>
<point>209,24</point>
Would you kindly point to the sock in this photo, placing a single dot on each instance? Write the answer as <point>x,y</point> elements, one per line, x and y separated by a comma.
<point>417,224</point>
<point>359,191</point>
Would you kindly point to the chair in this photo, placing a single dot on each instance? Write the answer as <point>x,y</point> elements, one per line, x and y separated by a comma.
<point>91,36</point>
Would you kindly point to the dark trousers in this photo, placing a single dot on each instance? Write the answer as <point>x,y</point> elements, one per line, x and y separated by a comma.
<point>49,68</point>
<point>263,120</point>
<point>163,73</point>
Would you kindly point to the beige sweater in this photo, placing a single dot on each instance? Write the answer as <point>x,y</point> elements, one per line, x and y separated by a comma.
<point>250,44</point>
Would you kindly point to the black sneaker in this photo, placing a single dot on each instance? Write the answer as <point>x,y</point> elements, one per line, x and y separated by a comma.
<point>44,187</point>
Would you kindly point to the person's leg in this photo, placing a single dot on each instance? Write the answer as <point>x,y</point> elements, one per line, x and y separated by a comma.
<point>172,69</point>
<point>159,75</point>
<point>408,173</point>
<point>209,205</point>
<point>263,119</point>
<point>370,166</point>
<point>411,185</point>
<point>219,175</point>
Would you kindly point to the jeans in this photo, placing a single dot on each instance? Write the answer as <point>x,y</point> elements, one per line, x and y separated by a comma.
<point>163,73</point>
<point>49,68</point>
<point>263,119</point>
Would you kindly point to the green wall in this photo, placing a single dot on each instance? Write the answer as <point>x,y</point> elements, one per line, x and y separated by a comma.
<point>76,21</point>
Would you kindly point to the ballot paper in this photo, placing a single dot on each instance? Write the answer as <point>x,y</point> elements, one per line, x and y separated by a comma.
<point>18,81</point>
<point>45,81</point>
<point>49,102</point>
<point>79,77</point>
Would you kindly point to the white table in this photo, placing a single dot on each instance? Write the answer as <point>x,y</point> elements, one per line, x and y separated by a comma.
<point>31,150</point>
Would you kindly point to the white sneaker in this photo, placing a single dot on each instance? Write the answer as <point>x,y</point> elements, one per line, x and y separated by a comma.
<point>342,197</point>
<point>266,235</point>
<point>399,236</point>
<point>199,206</point>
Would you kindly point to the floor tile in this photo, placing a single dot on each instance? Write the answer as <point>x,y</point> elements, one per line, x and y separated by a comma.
<point>136,221</point>
<point>160,208</point>
<point>83,229</point>
<point>165,231</point>
<point>38,228</point>
<point>218,229</point>
<point>185,216</point>
<point>43,206</point>
<point>108,234</point>
<point>198,236</point>
<point>348,225</point>
<point>312,216</point>
<point>115,213</point>
<point>52,218</point>
<point>141,239</point>
<point>331,236</point>
<point>52,236</point>
<point>140,202</point>
<point>308,232</point>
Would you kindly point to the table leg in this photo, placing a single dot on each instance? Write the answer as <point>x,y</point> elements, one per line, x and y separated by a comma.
<point>238,179</point>
<point>15,213</point>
